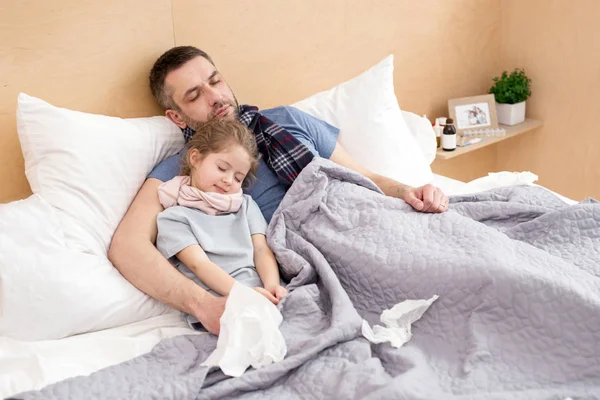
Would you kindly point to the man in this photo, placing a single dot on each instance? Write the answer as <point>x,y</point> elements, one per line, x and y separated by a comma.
<point>188,85</point>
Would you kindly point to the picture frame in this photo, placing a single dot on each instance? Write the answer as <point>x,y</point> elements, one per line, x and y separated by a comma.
<point>473,113</point>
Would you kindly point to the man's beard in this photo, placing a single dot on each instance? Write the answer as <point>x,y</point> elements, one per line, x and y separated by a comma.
<point>195,125</point>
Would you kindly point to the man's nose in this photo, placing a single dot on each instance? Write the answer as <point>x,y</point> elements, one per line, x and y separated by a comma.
<point>212,95</point>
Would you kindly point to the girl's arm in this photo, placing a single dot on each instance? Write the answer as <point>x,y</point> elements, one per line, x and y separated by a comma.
<point>265,262</point>
<point>207,271</point>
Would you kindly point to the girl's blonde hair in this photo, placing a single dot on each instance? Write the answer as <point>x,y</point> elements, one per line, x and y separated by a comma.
<point>216,136</point>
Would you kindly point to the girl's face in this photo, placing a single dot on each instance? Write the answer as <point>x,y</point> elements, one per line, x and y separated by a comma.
<point>221,172</point>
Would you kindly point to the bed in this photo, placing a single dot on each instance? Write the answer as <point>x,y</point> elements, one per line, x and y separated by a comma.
<point>27,365</point>
<point>58,237</point>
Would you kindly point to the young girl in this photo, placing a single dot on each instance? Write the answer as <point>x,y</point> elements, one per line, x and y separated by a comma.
<point>211,231</point>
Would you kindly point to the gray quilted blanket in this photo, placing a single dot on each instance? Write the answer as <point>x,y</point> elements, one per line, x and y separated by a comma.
<point>518,316</point>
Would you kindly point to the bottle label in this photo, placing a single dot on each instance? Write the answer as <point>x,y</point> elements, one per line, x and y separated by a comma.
<point>449,142</point>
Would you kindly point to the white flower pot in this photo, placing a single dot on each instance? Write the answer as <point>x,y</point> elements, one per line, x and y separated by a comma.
<point>510,114</point>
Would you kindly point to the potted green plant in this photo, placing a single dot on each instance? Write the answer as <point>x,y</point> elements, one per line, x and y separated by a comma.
<point>510,92</point>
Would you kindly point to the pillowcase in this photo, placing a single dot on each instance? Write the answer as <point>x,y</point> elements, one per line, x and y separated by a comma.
<point>422,130</point>
<point>49,291</point>
<point>372,128</point>
<point>90,166</point>
<point>84,170</point>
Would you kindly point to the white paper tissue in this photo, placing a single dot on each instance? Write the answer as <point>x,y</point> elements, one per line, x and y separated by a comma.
<point>398,321</point>
<point>250,334</point>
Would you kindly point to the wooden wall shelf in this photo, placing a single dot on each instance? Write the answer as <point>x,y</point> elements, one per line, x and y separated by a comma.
<point>511,131</point>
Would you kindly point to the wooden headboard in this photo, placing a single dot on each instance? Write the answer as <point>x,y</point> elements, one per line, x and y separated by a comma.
<point>94,56</point>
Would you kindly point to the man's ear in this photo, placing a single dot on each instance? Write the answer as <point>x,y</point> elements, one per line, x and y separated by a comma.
<point>176,118</point>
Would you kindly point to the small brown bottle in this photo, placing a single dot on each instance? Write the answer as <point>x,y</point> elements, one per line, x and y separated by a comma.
<point>449,136</point>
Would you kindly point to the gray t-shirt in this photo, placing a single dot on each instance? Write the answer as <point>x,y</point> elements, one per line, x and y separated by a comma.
<point>225,238</point>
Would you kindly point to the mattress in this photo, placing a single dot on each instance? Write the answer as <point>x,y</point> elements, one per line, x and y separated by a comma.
<point>33,365</point>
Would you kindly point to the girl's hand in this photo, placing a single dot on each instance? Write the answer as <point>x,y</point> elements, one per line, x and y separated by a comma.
<point>267,294</point>
<point>278,291</point>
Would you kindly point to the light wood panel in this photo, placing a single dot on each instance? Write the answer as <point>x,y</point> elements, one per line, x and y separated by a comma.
<point>274,52</point>
<point>13,184</point>
<point>277,52</point>
<point>92,56</point>
<point>557,44</point>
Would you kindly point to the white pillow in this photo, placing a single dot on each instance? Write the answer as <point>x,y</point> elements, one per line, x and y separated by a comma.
<point>49,291</point>
<point>422,130</point>
<point>372,128</point>
<point>90,166</point>
<point>85,170</point>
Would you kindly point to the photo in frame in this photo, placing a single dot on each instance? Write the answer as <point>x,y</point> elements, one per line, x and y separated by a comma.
<point>476,112</point>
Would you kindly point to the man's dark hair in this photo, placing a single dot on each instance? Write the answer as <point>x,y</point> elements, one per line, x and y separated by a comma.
<point>169,61</point>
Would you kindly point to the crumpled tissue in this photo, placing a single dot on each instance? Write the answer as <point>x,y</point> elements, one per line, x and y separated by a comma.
<point>398,321</point>
<point>250,334</point>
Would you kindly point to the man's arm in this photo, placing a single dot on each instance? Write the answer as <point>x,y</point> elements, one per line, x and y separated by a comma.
<point>426,198</point>
<point>133,253</point>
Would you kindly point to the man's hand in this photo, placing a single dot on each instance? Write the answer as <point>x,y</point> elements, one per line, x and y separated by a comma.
<point>427,199</point>
<point>210,315</point>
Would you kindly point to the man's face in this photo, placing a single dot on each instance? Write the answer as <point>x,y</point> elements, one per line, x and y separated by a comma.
<point>200,92</point>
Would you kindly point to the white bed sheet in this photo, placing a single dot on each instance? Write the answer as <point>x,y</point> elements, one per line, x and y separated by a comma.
<point>452,186</point>
<point>33,365</point>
